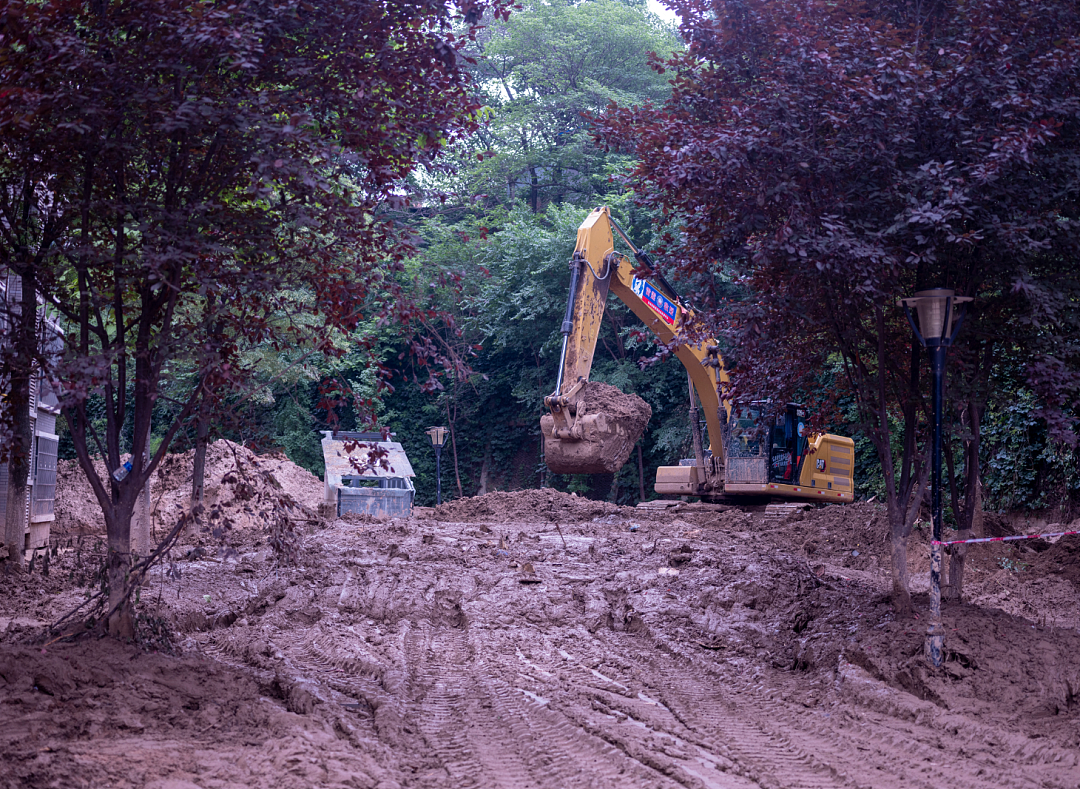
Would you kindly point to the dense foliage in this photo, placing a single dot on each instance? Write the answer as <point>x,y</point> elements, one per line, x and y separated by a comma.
<point>494,246</point>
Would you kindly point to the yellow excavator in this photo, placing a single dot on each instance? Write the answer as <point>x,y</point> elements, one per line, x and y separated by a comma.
<point>756,450</point>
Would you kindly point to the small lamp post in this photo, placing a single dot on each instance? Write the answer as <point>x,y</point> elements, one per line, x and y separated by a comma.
<point>937,327</point>
<point>438,439</point>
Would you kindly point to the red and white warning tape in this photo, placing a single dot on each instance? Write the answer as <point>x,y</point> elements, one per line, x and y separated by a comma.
<point>1007,539</point>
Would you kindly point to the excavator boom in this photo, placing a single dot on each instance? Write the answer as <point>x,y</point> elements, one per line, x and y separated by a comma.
<point>599,440</point>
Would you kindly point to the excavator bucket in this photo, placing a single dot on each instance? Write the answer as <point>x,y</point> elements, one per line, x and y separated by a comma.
<point>600,434</point>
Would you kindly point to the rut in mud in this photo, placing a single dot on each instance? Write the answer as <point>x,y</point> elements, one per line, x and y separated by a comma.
<point>661,656</point>
<point>537,639</point>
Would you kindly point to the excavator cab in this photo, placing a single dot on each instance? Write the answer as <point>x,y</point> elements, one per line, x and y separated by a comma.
<point>789,445</point>
<point>746,431</point>
<point>765,444</point>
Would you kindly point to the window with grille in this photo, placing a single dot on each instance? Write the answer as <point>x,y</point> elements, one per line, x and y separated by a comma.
<point>45,475</point>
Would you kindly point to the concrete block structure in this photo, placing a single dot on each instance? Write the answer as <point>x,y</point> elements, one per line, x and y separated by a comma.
<point>356,482</point>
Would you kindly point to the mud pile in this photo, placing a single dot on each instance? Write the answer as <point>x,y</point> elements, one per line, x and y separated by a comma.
<point>76,506</point>
<point>1060,559</point>
<point>609,422</point>
<point>236,482</point>
<point>527,506</point>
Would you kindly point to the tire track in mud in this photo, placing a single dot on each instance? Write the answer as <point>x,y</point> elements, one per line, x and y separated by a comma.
<point>489,723</point>
<point>725,753</point>
<point>928,765</point>
<point>345,665</point>
<point>337,664</point>
<point>489,731</point>
<point>474,680</point>
<point>467,706</point>
<point>775,757</point>
<point>791,746</point>
<point>475,721</point>
<point>443,710</point>
<point>833,742</point>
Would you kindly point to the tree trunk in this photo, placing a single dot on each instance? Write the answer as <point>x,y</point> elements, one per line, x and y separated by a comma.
<point>901,592</point>
<point>900,505</point>
<point>15,519</point>
<point>121,622</point>
<point>972,505</point>
<point>118,568</point>
<point>978,528</point>
<point>141,544</point>
<point>957,556</point>
<point>901,513</point>
<point>202,420</point>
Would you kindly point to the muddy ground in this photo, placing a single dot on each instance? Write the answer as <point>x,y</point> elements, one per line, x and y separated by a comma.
<point>536,639</point>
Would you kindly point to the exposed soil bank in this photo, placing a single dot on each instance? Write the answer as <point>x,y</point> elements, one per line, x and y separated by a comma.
<point>227,465</point>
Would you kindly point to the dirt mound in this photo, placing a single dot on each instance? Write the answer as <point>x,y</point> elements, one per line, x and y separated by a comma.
<point>996,665</point>
<point>545,505</point>
<point>1062,560</point>
<point>997,525</point>
<point>237,481</point>
<point>598,397</point>
<point>848,536</point>
<point>609,422</point>
<point>99,713</point>
<point>77,509</point>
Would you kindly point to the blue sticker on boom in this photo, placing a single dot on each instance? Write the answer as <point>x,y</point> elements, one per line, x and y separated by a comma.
<point>655,299</point>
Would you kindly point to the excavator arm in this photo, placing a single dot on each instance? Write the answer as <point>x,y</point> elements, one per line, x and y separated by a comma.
<point>596,271</point>
<point>754,451</point>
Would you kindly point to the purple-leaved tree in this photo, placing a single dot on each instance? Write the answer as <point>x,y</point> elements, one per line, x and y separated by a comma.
<point>181,181</point>
<point>837,155</point>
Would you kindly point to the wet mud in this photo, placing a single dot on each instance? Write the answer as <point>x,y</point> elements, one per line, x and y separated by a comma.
<point>537,639</point>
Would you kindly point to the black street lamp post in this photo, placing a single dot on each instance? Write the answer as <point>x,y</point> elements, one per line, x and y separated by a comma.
<point>438,438</point>
<point>939,327</point>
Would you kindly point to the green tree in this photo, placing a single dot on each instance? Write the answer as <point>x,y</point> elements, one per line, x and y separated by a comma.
<point>499,264</point>
<point>511,285</point>
<point>539,73</point>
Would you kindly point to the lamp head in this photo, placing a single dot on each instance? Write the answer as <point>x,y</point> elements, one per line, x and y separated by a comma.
<point>437,436</point>
<point>936,309</point>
